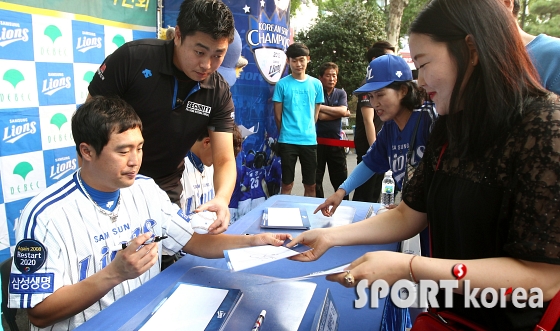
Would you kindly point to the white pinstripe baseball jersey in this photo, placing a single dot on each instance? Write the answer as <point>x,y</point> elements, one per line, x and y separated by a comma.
<point>63,239</point>
<point>198,187</point>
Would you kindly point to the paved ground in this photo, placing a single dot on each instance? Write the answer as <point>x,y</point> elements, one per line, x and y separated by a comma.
<point>327,187</point>
<point>297,190</point>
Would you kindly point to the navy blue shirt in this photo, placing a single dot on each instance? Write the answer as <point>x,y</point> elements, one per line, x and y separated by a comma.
<point>332,128</point>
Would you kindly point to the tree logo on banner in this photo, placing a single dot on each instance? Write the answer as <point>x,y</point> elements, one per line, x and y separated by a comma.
<point>58,119</point>
<point>53,32</point>
<point>23,169</point>
<point>26,177</point>
<point>268,39</point>
<point>118,40</point>
<point>13,77</point>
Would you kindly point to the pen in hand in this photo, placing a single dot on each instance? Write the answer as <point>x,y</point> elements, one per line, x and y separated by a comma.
<point>259,321</point>
<point>149,241</point>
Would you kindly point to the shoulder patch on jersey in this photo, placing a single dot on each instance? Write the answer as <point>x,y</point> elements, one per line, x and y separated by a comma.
<point>29,255</point>
<point>31,284</point>
<point>183,216</point>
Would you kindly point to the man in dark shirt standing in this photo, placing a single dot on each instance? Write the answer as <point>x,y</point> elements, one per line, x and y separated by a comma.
<point>328,128</point>
<point>174,87</point>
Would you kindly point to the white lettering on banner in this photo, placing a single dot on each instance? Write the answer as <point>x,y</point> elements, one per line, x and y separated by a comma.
<point>8,36</point>
<point>62,169</point>
<point>84,44</point>
<point>424,294</point>
<point>51,86</point>
<point>16,132</point>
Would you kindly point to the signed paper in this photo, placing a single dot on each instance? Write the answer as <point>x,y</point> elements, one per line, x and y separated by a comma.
<point>244,258</point>
<point>332,271</point>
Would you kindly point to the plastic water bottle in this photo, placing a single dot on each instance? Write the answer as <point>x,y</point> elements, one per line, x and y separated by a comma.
<point>388,189</point>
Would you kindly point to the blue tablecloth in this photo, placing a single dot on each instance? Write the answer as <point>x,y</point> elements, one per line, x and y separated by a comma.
<point>365,318</point>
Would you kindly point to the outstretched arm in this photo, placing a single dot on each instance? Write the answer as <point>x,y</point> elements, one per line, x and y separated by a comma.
<point>70,300</point>
<point>224,182</point>
<point>213,246</point>
<point>359,175</point>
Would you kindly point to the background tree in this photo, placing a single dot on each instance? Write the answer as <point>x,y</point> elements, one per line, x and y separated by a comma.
<point>294,5</point>
<point>343,37</point>
<point>410,12</point>
<point>396,9</point>
<point>541,16</point>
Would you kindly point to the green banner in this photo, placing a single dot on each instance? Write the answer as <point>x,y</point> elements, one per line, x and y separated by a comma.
<point>137,12</point>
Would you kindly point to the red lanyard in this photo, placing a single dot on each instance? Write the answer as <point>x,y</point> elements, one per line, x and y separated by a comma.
<point>441,155</point>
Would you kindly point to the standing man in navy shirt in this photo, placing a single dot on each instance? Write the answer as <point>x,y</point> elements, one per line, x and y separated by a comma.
<point>328,128</point>
<point>174,88</point>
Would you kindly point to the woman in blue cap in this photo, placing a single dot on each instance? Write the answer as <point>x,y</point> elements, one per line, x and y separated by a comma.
<point>397,100</point>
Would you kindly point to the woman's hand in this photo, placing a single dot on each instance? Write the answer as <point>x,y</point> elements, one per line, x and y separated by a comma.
<point>389,266</point>
<point>329,206</point>
<point>317,239</point>
<point>275,239</point>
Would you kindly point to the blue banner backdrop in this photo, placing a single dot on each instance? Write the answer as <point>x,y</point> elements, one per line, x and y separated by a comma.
<point>47,59</point>
<point>264,27</point>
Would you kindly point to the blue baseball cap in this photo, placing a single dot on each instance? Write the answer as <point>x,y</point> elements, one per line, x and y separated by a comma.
<point>227,69</point>
<point>384,70</point>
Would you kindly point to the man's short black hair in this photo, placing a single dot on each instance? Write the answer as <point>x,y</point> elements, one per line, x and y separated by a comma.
<point>327,65</point>
<point>212,17</point>
<point>297,50</point>
<point>100,116</point>
<point>378,49</point>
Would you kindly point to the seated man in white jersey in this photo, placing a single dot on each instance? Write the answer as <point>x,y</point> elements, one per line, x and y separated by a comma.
<point>70,262</point>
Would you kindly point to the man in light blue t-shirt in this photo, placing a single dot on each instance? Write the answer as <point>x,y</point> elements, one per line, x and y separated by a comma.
<point>543,51</point>
<point>297,99</point>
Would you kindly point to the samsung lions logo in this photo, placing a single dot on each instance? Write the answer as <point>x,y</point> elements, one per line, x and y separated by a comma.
<point>19,128</point>
<point>268,40</point>
<point>56,82</point>
<point>62,167</point>
<point>12,32</point>
<point>87,41</point>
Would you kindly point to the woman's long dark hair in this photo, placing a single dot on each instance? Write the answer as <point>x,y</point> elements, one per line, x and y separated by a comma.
<point>492,99</point>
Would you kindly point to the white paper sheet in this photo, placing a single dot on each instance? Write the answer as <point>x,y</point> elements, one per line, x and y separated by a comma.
<point>189,307</point>
<point>332,271</point>
<point>244,258</point>
<point>284,217</point>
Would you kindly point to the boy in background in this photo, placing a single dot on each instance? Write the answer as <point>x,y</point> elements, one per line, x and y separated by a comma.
<point>297,99</point>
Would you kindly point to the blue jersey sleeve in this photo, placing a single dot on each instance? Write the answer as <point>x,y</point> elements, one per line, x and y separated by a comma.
<point>359,175</point>
<point>377,156</point>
